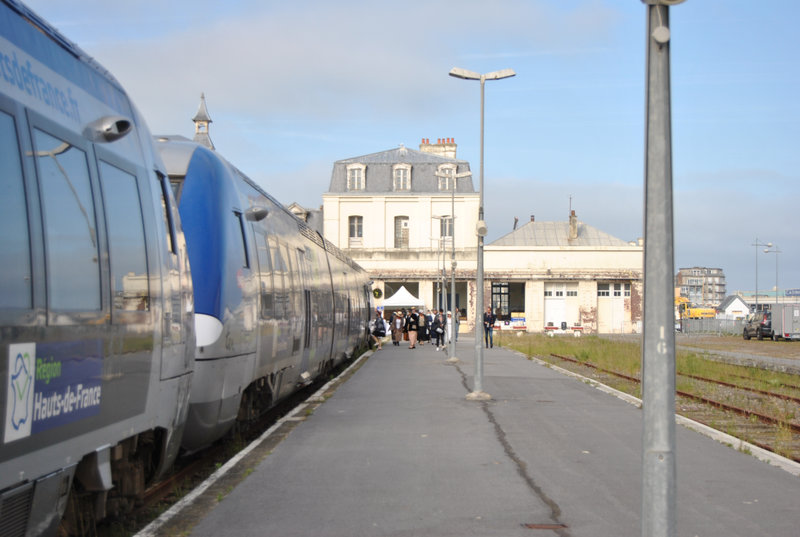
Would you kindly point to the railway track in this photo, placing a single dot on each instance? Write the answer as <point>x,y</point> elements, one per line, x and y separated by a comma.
<point>748,428</point>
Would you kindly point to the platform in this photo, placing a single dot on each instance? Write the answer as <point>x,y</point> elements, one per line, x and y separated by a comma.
<point>397,450</point>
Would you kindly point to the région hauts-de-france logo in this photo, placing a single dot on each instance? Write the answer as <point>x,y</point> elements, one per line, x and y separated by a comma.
<point>19,405</point>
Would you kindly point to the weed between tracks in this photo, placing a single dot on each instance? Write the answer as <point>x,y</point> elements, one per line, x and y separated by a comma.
<point>741,389</point>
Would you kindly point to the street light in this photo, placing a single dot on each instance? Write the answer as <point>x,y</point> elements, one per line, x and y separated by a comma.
<point>775,250</point>
<point>478,394</point>
<point>451,348</point>
<point>440,278</point>
<point>758,244</point>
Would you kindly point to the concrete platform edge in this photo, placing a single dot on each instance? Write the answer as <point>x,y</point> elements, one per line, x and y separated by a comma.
<point>787,465</point>
<point>151,530</point>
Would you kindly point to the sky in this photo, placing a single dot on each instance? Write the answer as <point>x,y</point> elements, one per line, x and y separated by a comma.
<point>292,87</point>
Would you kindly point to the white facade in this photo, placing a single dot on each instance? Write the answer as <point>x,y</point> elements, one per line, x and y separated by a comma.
<point>390,211</point>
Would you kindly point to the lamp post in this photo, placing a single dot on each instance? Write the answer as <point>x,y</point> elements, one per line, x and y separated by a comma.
<point>441,274</point>
<point>758,244</point>
<point>775,250</point>
<point>658,339</point>
<point>478,394</point>
<point>451,348</point>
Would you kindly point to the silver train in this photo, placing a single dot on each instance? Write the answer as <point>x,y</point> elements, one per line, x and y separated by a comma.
<point>275,304</point>
<point>110,359</point>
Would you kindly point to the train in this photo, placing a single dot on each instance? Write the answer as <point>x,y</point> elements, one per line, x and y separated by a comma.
<point>151,295</point>
<point>276,304</point>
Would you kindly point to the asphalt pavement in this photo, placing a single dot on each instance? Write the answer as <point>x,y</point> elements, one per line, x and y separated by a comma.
<point>398,450</point>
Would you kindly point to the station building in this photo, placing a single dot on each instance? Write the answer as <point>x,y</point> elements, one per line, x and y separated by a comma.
<point>392,212</point>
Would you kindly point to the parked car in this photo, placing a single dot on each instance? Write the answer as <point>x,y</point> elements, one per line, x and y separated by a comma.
<point>758,325</point>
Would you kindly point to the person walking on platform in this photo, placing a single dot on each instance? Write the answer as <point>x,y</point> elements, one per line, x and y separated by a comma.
<point>396,326</point>
<point>377,330</point>
<point>438,330</point>
<point>412,325</point>
<point>424,329</point>
<point>489,319</point>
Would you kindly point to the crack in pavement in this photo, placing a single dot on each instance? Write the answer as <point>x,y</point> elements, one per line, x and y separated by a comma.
<point>522,468</point>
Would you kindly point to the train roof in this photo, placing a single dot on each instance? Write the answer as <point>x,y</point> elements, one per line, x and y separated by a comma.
<point>177,162</point>
<point>49,30</point>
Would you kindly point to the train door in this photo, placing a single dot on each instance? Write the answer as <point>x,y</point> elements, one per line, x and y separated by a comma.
<point>267,331</point>
<point>176,286</point>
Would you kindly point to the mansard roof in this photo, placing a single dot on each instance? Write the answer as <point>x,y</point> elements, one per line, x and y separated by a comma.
<point>379,167</point>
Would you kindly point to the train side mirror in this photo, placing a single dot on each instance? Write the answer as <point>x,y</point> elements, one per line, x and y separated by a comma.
<point>108,129</point>
<point>256,214</point>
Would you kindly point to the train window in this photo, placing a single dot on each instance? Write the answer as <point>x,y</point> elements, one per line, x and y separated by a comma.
<point>264,275</point>
<point>130,287</point>
<point>278,271</point>
<point>15,257</point>
<point>177,188</point>
<point>166,212</point>
<point>289,282</point>
<point>73,269</point>
<point>245,256</point>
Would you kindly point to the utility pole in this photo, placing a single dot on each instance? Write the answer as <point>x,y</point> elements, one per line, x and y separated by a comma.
<point>658,349</point>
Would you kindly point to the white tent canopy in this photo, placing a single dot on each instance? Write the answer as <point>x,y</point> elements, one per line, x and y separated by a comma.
<point>402,298</point>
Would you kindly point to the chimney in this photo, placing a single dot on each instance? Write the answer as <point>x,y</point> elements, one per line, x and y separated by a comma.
<point>444,147</point>
<point>516,220</point>
<point>533,218</point>
<point>573,226</point>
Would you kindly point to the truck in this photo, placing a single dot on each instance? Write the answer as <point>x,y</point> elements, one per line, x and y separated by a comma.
<point>684,309</point>
<point>786,321</point>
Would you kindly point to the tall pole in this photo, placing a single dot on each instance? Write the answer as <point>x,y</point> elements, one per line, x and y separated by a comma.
<point>658,349</point>
<point>478,394</point>
<point>477,389</point>
<point>775,250</point>
<point>454,177</point>
<point>451,348</point>
<point>758,244</point>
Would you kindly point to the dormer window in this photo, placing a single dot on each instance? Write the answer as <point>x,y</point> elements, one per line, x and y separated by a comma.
<point>356,176</point>
<point>402,177</point>
<point>446,174</point>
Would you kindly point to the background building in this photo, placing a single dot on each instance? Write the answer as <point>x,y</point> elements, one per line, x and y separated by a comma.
<point>566,273</point>
<point>391,211</point>
<point>701,285</point>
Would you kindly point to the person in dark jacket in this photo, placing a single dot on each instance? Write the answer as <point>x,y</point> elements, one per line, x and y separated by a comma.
<point>489,319</point>
<point>424,330</point>
<point>377,330</point>
<point>412,325</point>
<point>438,329</point>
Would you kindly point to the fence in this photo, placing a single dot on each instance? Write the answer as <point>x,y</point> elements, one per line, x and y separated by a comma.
<point>711,326</point>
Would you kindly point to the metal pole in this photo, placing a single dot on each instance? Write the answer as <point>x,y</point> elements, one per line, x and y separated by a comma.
<point>759,244</point>
<point>451,348</point>
<point>477,390</point>
<point>658,349</point>
<point>756,245</point>
<point>478,393</point>
<point>442,275</point>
